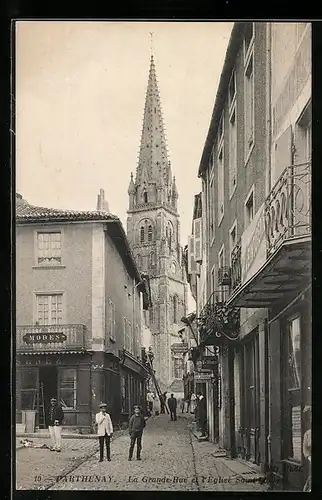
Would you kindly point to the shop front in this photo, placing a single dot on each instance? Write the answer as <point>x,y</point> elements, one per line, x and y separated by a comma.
<point>39,377</point>
<point>134,377</point>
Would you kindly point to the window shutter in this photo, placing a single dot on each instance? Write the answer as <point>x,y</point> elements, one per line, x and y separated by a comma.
<point>283,153</point>
<point>192,267</point>
<point>197,229</point>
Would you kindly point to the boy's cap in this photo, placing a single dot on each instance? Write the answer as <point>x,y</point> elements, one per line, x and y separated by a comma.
<point>53,399</point>
<point>103,405</point>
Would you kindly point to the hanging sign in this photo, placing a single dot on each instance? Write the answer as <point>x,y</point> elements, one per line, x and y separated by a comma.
<point>44,338</point>
<point>210,362</point>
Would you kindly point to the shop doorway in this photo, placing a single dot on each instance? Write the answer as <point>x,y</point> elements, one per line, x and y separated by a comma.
<point>251,400</point>
<point>47,389</point>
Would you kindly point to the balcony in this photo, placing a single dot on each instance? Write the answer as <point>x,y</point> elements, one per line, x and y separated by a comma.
<point>50,338</point>
<point>276,255</point>
<point>218,323</point>
<point>288,207</point>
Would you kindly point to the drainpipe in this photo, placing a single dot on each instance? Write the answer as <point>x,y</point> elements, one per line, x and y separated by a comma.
<point>268,107</point>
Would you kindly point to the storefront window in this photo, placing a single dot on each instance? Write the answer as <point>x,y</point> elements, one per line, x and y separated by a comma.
<point>68,388</point>
<point>28,389</point>
<point>294,388</point>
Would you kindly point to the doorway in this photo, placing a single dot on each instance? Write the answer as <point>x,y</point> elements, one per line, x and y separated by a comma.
<point>251,400</point>
<point>48,381</point>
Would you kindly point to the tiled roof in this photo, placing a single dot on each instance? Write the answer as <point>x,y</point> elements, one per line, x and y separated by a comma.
<point>26,212</point>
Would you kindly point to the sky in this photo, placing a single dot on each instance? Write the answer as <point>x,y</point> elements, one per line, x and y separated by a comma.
<point>80,92</point>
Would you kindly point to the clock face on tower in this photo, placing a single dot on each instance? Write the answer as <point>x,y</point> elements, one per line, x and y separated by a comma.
<point>173,267</point>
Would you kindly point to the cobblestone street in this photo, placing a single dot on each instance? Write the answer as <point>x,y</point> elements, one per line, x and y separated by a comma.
<point>172,459</point>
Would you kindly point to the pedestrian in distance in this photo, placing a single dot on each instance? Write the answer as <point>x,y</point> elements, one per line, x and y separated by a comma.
<point>172,404</point>
<point>150,398</point>
<point>162,402</point>
<point>104,431</point>
<point>136,427</point>
<point>193,402</point>
<point>182,404</point>
<point>55,420</point>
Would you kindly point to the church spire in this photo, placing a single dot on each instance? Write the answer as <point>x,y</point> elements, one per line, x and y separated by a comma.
<point>153,174</point>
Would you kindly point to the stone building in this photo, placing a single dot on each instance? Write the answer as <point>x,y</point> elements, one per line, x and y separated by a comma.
<point>153,230</point>
<point>79,315</point>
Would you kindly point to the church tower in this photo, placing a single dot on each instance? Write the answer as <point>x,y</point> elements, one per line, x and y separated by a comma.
<point>153,230</point>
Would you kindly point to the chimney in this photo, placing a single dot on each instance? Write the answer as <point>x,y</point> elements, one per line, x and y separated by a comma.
<point>102,204</point>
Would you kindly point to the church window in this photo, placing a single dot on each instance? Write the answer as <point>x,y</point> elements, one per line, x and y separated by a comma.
<point>152,259</point>
<point>175,309</point>
<point>145,197</point>
<point>149,233</point>
<point>139,261</point>
<point>155,109</point>
<point>142,234</point>
<point>151,315</point>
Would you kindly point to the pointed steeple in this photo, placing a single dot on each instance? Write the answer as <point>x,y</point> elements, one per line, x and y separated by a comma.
<point>153,174</point>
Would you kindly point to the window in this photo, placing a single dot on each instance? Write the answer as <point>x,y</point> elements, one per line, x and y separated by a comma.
<point>145,197</point>
<point>177,368</point>
<point>111,319</point>
<point>232,152</point>
<point>142,234</point>
<point>213,280</point>
<point>149,233</point>
<point>232,89</point>
<point>128,337</point>
<point>28,389</point>
<point>124,398</point>
<point>49,249</point>
<point>175,309</point>
<point>293,394</point>
<point>304,136</point>
<point>221,265</point>
<point>233,238</point>
<point>220,185</point>
<point>49,309</point>
<point>212,199</point>
<point>67,388</point>
<point>249,209</point>
<point>249,107</point>
<point>221,129</point>
<point>152,259</point>
<point>151,315</point>
<point>169,234</point>
<point>248,38</point>
<point>139,261</point>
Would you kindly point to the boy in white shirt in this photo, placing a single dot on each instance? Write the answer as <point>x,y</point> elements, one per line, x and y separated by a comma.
<point>104,431</point>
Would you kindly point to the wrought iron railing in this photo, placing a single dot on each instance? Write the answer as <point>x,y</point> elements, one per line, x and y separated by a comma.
<point>38,338</point>
<point>218,320</point>
<point>236,267</point>
<point>288,206</point>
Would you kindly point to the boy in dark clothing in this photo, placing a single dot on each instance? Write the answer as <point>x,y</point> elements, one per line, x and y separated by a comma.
<point>136,426</point>
<point>172,404</point>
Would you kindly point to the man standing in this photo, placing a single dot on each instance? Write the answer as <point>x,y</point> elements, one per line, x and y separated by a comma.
<point>104,431</point>
<point>202,413</point>
<point>55,420</point>
<point>162,401</point>
<point>172,404</point>
<point>136,427</point>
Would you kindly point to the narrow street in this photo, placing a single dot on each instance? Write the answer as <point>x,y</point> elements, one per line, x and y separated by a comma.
<point>172,460</point>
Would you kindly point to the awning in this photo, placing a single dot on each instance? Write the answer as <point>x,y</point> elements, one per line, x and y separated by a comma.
<point>281,277</point>
<point>40,353</point>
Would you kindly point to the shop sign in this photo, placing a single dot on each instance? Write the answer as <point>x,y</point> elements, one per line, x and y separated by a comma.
<point>203,376</point>
<point>210,362</point>
<point>44,338</point>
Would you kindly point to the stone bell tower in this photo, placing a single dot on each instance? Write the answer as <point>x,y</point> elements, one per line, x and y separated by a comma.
<point>153,230</point>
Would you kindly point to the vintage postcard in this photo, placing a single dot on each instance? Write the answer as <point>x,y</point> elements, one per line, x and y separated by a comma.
<point>163,255</point>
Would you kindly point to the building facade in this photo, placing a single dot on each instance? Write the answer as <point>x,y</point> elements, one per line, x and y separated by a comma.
<point>79,315</point>
<point>153,230</point>
<point>255,171</point>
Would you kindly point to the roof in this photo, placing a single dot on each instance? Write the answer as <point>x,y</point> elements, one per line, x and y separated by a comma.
<point>231,54</point>
<point>28,214</point>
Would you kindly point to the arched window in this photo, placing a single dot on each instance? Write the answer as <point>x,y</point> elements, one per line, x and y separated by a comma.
<point>145,197</point>
<point>142,234</point>
<point>152,259</point>
<point>175,309</point>
<point>149,233</point>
